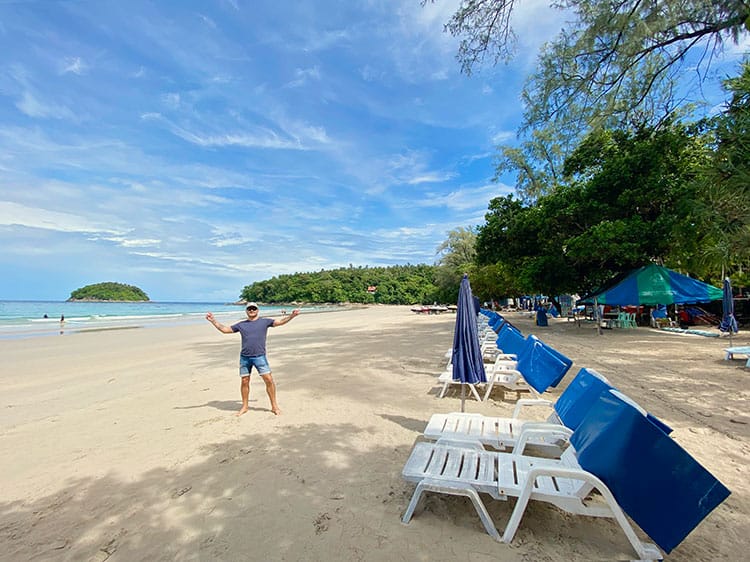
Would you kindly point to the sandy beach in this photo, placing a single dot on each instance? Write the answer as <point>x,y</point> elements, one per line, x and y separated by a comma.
<point>123,445</point>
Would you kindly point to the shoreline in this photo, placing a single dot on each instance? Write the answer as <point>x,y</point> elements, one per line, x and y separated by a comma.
<point>47,327</point>
<point>124,444</point>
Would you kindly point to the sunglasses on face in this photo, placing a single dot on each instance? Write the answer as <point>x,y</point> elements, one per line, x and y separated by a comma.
<point>252,308</point>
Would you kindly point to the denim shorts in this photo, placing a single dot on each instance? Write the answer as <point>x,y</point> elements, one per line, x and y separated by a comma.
<point>258,361</point>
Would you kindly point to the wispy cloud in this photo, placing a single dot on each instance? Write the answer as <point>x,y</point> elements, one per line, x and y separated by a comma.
<point>31,105</point>
<point>304,76</point>
<point>196,150</point>
<point>290,136</point>
<point>14,214</point>
<point>465,199</point>
<point>74,65</point>
<point>432,177</point>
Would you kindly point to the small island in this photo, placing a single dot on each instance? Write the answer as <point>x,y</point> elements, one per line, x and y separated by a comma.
<point>109,291</point>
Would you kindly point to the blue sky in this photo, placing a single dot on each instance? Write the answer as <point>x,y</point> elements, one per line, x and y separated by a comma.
<point>191,148</point>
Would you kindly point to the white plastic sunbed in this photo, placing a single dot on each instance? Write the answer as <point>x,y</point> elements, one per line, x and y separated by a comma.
<point>730,352</point>
<point>459,469</point>
<point>467,469</point>
<point>515,433</point>
<point>510,379</point>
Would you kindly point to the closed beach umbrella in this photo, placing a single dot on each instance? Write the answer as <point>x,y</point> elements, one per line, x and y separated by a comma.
<point>468,366</point>
<point>728,321</point>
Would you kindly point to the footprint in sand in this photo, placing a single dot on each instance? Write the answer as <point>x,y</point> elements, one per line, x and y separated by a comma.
<point>181,491</point>
<point>321,523</point>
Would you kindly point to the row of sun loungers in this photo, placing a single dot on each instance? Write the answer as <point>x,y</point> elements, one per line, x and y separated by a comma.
<point>598,454</point>
<point>520,364</point>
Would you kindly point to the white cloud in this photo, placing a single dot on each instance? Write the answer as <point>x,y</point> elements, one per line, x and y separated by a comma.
<point>303,76</point>
<point>432,177</point>
<point>197,171</point>
<point>30,105</point>
<point>736,51</point>
<point>171,100</point>
<point>208,21</point>
<point>465,199</point>
<point>132,242</point>
<point>14,214</point>
<point>74,65</point>
<point>316,41</point>
<point>293,136</point>
<point>536,22</point>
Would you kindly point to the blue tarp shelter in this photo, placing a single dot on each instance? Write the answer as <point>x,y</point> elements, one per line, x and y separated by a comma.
<point>652,285</point>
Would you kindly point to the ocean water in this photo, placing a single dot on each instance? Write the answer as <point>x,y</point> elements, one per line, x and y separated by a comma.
<point>22,319</point>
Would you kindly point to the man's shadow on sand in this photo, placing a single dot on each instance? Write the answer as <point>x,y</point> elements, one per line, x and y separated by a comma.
<point>226,405</point>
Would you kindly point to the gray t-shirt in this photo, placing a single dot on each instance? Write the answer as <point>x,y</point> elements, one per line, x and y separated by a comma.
<point>253,335</point>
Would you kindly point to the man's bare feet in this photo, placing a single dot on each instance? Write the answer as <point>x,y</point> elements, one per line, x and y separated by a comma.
<point>276,411</point>
<point>243,410</point>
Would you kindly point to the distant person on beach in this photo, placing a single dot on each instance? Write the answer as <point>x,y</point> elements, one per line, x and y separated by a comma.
<point>62,319</point>
<point>46,316</point>
<point>253,353</point>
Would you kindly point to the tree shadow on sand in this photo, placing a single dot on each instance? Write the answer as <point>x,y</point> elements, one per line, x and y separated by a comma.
<point>301,493</point>
<point>304,479</point>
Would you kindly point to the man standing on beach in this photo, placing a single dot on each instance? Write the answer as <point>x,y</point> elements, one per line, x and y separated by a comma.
<point>253,354</point>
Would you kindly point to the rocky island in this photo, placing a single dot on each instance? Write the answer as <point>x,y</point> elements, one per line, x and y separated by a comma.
<point>109,291</point>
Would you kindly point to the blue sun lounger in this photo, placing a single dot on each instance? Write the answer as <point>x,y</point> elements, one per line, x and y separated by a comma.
<point>616,450</point>
<point>654,480</point>
<point>515,433</point>
<point>539,367</point>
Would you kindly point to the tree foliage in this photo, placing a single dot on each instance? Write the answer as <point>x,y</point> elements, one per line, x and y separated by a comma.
<point>613,53</point>
<point>400,284</point>
<point>627,204</point>
<point>721,214</point>
<point>109,291</point>
<point>616,65</point>
<point>456,256</point>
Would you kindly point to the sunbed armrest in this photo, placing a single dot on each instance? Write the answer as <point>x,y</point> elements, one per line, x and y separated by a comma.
<point>503,362</point>
<point>547,430</point>
<point>530,402</point>
<point>456,440</point>
<point>645,550</point>
<point>518,374</point>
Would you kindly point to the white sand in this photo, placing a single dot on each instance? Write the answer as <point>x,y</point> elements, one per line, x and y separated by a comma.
<point>123,445</point>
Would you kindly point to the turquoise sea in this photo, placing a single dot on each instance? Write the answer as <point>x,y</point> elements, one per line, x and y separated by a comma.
<point>22,319</point>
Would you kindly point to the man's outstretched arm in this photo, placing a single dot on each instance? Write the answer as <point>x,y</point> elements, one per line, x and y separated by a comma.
<point>285,319</point>
<point>218,325</point>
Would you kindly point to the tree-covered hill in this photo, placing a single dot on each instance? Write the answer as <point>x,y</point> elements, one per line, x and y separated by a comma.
<point>400,284</point>
<point>108,291</point>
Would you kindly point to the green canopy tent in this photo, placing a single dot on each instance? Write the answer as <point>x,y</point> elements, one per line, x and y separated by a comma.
<point>652,285</point>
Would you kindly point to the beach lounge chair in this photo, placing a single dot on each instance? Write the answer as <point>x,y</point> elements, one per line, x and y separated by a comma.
<point>462,469</point>
<point>446,379</point>
<point>614,433</point>
<point>487,347</point>
<point>495,321</point>
<point>730,352</point>
<point>504,433</point>
<point>654,480</point>
<point>498,372</point>
<point>515,433</point>
<point>510,342</point>
<point>539,368</point>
